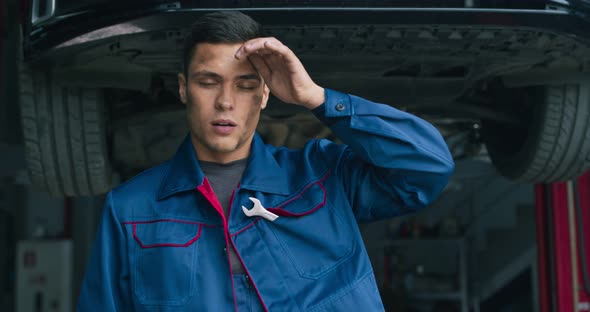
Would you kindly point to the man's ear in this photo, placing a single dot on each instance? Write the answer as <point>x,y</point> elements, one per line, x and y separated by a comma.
<point>182,87</point>
<point>265,96</point>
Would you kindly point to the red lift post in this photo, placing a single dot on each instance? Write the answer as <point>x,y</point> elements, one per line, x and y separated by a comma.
<point>563,245</point>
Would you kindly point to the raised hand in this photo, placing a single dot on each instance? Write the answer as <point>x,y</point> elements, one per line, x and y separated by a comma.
<point>282,72</point>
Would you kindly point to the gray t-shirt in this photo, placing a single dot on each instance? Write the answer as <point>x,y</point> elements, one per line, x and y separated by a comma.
<point>224,179</point>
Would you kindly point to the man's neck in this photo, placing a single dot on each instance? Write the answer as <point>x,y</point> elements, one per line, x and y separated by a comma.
<point>204,154</point>
<point>220,159</point>
<point>227,164</point>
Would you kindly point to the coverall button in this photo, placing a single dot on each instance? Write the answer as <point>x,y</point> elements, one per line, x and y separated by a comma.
<point>340,107</point>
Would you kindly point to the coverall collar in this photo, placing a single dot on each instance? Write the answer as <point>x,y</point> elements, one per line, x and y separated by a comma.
<point>262,173</point>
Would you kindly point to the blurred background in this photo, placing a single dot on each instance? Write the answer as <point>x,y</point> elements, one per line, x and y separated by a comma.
<point>504,235</point>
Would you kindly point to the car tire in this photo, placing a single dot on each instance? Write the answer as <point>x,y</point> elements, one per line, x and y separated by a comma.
<point>64,135</point>
<point>553,142</point>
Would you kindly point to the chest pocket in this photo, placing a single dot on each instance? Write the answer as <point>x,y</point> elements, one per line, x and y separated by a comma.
<point>163,261</point>
<point>312,232</point>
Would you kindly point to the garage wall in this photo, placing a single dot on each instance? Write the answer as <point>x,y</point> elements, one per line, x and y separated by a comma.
<point>45,214</point>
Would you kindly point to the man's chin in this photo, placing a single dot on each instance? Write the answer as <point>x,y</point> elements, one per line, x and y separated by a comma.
<point>223,147</point>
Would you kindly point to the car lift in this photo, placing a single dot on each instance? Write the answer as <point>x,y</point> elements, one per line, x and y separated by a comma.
<point>563,245</point>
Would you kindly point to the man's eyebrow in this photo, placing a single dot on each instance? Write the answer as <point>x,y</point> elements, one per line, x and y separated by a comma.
<point>249,76</point>
<point>205,73</point>
<point>208,74</point>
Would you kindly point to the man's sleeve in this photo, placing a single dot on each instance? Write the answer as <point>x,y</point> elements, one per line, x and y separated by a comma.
<point>106,284</point>
<point>392,162</point>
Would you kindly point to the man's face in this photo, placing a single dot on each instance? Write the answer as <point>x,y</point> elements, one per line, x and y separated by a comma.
<point>224,97</point>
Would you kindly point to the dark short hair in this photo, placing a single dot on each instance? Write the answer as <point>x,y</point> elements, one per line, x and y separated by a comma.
<point>218,27</point>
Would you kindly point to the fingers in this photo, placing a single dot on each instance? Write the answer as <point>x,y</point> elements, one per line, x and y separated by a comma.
<point>263,46</point>
<point>260,65</point>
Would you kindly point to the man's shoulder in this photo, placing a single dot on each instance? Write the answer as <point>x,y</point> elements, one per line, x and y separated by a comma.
<point>145,184</point>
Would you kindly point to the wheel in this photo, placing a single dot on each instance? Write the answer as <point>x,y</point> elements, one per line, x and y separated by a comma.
<point>64,135</point>
<point>553,141</point>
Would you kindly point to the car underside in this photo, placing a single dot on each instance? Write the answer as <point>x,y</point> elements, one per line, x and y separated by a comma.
<point>500,81</point>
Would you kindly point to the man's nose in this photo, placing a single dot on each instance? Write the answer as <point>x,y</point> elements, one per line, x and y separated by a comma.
<point>225,99</point>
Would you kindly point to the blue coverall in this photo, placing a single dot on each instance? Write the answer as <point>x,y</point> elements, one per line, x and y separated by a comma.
<point>163,239</point>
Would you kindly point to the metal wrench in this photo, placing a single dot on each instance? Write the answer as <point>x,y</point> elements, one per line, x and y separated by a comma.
<point>259,210</point>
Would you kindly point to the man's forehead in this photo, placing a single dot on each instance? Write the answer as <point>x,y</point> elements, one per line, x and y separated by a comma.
<point>205,52</point>
<point>220,59</point>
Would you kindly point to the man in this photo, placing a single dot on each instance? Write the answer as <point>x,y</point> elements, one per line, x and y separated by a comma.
<point>232,224</point>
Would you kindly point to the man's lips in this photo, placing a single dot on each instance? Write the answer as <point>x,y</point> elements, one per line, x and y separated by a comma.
<point>223,126</point>
<point>223,123</point>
